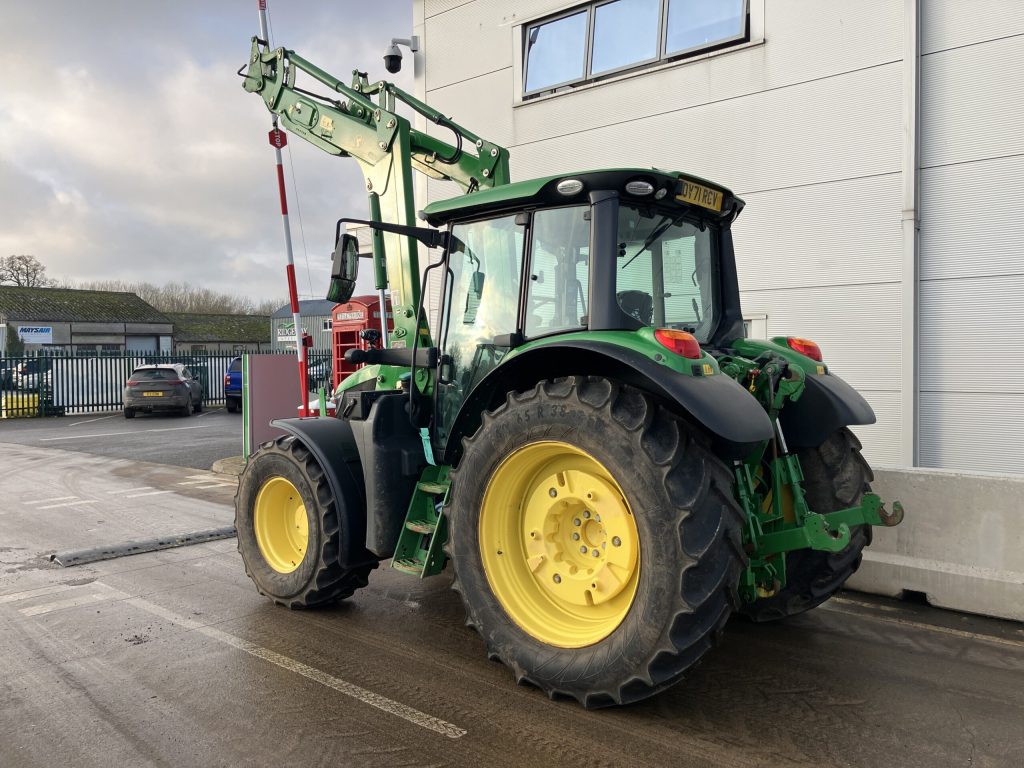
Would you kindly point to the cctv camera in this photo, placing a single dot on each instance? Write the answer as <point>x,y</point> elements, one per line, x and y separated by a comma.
<point>393,59</point>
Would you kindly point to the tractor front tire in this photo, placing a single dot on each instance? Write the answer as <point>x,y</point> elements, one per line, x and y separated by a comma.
<point>290,528</point>
<point>835,477</point>
<point>595,540</point>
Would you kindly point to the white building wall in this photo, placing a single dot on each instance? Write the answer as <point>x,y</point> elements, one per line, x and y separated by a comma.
<point>804,122</point>
<point>972,236</point>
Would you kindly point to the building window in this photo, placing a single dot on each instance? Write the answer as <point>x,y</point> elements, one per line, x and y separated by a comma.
<point>606,37</point>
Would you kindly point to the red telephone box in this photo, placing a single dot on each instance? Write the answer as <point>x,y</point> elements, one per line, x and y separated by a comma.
<point>347,320</point>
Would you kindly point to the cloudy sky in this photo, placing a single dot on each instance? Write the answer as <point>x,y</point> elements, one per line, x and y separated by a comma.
<point>128,149</point>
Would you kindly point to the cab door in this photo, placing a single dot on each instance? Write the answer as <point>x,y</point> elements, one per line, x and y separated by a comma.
<point>480,310</point>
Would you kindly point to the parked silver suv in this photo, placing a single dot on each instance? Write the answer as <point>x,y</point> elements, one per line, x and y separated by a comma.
<point>162,387</point>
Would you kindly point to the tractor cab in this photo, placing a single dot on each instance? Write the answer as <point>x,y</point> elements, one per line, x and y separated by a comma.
<point>539,262</point>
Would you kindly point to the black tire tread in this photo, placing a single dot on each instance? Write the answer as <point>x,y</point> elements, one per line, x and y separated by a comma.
<point>331,581</point>
<point>708,520</point>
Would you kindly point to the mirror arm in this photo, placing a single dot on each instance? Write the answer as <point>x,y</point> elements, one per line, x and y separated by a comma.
<point>432,238</point>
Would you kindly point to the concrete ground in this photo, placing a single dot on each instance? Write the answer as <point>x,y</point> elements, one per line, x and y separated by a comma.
<point>173,659</point>
<point>194,441</point>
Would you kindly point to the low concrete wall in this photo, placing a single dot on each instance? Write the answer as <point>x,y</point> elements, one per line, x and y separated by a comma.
<point>961,542</point>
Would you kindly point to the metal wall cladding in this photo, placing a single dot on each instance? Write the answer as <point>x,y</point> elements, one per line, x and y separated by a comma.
<point>810,40</point>
<point>836,233</point>
<point>971,222</point>
<point>842,127</point>
<point>970,102</point>
<point>971,303</point>
<point>960,430</point>
<point>952,23</point>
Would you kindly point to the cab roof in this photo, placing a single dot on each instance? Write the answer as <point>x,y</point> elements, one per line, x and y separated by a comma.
<point>681,189</point>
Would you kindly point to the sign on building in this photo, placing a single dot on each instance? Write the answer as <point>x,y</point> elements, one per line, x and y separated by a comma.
<point>286,332</point>
<point>36,334</point>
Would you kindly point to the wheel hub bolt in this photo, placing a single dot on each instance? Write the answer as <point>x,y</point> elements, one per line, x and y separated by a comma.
<point>576,521</point>
<point>586,513</point>
<point>598,518</point>
<point>557,578</point>
<point>575,536</point>
<point>583,549</point>
<point>595,553</point>
<point>552,492</point>
<point>616,541</point>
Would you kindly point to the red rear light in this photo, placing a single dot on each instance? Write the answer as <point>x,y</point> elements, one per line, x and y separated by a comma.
<point>804,347</point>
<point>680,342</point>
<point>227,379</point>
<point>132,384</point>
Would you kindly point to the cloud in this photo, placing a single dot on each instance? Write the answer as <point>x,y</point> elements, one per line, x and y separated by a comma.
<point>128,149</point>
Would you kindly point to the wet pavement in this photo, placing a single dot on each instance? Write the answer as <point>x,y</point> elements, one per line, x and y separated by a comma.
<point>195,441</point>
<point>171,658</point>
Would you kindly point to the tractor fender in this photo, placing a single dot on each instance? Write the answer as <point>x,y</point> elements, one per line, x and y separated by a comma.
<point>827,403</point>
<point>716,402</point>
<point>332,443</point>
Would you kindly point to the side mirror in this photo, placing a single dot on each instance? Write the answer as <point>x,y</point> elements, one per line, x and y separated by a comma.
<point>345,269</point>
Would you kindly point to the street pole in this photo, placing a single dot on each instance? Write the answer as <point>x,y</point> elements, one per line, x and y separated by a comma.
<point>278,140</point>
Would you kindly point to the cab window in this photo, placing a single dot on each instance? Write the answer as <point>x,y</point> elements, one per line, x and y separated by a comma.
<point>480,314</point>
<point>559,271</point>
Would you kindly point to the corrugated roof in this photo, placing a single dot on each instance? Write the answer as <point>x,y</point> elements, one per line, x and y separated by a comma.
<point>70,305</point>
<point>191,327</point>
<point>308,307</point>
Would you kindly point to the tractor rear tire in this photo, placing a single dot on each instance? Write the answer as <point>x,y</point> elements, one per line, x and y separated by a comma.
<point>290,528</point>
<point>835,477</point>
<point>603,611</point>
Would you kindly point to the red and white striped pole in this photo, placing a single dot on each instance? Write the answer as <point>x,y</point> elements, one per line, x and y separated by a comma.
<point>278,140</point>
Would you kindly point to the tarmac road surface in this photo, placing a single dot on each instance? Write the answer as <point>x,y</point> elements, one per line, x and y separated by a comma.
<point>173,659</point>
<point>194,441</point>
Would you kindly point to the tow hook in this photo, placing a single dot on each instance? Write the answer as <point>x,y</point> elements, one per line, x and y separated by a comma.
<point>889,519</point>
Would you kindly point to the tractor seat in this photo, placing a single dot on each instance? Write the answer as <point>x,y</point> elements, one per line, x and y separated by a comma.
<point>637,304</point>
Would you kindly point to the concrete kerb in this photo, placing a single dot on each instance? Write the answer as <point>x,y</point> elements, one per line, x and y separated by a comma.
<point>231,467</point>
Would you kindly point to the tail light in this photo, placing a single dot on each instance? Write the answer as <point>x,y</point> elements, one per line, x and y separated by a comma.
<point>131,383</point>
<point>227,379</point>
<point>680,342</point>
<point>804,347</point>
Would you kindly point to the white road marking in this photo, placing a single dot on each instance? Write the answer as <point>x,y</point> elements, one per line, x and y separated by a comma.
<point>207,477</point>
<point>129,490</point>
<point>45,501</point>
<point>382,703</point>
<point>70,504</point>
<point>213,485</point>
<point>119,434</point>
<point>151,493</point>
<point>90,421</point>
<point>194,482</point>
<point>927,627</point>
<point>28,594</point>
<point>74,602</point>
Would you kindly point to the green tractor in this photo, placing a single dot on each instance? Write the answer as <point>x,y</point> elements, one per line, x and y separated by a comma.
<point>586,437</point>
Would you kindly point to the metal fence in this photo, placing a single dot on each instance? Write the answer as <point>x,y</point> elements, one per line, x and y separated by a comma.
<point>54,385</point>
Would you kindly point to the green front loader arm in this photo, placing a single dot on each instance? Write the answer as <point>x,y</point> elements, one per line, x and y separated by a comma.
<point>349,123</point>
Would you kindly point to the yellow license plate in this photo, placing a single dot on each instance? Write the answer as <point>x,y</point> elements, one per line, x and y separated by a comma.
<point>152,394</point>
<point>698,194</point>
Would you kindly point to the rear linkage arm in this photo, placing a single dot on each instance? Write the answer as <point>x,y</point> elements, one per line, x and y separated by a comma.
<point>778,517</point>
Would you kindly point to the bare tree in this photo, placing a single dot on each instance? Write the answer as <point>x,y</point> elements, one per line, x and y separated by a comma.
<point>23,271</point>
<point>185,297</point>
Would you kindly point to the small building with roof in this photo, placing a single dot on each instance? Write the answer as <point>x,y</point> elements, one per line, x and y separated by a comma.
<point>220,334</point>
<point>82,322</point>
<point>316,321</point>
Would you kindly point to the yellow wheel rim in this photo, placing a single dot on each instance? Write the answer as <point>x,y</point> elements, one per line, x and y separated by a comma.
<point>279,519</point>
<point>559,544</point>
